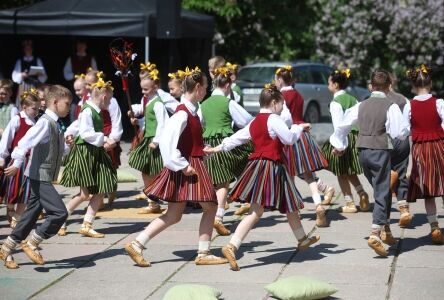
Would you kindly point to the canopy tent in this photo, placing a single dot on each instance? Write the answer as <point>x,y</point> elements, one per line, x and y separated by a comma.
<point>130,18</point>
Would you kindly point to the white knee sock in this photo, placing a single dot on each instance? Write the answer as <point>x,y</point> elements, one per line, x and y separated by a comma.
<point>235,241</point>
<point>299,233</point>
<point>316,199</point>
<point>348,198</point>
<point>220,213</point>
<point>143,238</point>
<point>204,247</point>
<point>89,218</point>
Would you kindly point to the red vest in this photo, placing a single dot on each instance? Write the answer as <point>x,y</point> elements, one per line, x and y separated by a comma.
<point>426,123</point>
<point>191,141</point>
<point>21,131</point>
<point>106,117</point>
<point>264,146</point>
<point>295,104</point>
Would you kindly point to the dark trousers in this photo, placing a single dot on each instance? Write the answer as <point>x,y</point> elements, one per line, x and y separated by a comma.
<point>376,165</point>
<point>43,196</point>
<point>400,161</point>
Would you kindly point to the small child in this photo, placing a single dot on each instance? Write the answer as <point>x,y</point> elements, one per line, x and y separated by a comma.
<point>17,187</point>
<point>425,114</point>
<point>89,166</point>
<point>81,92</point>
<point>42,90</point>
<point>146,156</point>
<point>236,92</point>
<point>184,177</point>
<point>378,119</point>
<point>345,167</point>
<point>46,140</point>
<point>7,109</point>
<point>175,84</point>
<point>265,182</point>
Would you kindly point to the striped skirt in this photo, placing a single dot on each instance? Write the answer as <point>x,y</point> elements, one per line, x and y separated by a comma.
<point>18,187</point>
<point>173,186</point>
<point>89,166</point>
<point>347,164</point>
<point>304,156</point>
<point>114,154</point>
<point>268,184</point>
<point>145,159</point>
<point>427,176</point>
<point>226,166</point>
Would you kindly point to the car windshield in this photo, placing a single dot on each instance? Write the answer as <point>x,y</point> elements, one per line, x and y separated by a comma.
<point>301,74</point>
<point>247,74</point>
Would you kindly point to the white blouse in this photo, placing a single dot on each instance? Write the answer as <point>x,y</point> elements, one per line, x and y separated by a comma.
<point>396,125</point>
<point>9,133</point>
<point>17,72</point>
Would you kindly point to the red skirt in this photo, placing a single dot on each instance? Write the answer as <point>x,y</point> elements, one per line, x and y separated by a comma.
<point>114,154</point>
<point>173,186</point>
<point>427,176</point>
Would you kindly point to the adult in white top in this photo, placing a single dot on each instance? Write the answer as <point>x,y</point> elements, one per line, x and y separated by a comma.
<point>79,63</point>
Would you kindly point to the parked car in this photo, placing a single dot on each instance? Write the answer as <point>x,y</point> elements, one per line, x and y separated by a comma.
<point>311,83</point>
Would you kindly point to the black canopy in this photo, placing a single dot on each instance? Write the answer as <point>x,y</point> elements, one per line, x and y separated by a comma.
<point>131,18</point>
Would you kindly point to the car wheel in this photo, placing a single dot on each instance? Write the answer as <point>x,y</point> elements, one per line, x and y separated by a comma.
<point>312,114</point>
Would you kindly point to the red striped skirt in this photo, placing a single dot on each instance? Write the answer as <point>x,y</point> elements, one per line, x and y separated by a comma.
<point>268,184</point>
<point>304,156</point>
<point>427,176</point>
<point>114,154</point>
<point>173,186</point>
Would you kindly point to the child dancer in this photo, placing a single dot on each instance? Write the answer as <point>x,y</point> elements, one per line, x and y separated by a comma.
<point>345,167</point>
<point>175,84</point>
<point>425,114</point>
<point>146,156</point>
<point>7,109</point>
<point>399,183</point>
<point>17,187</point>
<point>265,182</point>
<point>184,177</point>
<point>81,91</point>
<point>89,166</point>
<point>46,141</point>
<point>236,92</point>
<point>303,157</point>
<point>42,91</point>
<point>218,113</point>
<point>377,118</point>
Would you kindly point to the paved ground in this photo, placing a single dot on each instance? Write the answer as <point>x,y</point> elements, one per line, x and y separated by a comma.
<point>84,268</point>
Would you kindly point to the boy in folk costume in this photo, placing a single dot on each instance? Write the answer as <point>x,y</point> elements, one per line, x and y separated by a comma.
<point>89,166</point>
<point>378,119</point>
<point>16,189</point>
<point>184,177</point>
<point>425,115</point>
<point>46,140</point>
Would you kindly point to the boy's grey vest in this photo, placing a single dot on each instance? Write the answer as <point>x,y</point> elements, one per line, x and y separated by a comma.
<point>45,161</point>
<point>398,99</point>
<point>372,116</point>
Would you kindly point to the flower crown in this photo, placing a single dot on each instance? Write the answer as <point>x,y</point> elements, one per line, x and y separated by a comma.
<point>231,67</point>
<point>101,84</point>
<point>270,86</point>
<point>30,92</point>
<point>422,68</point>
<point>179,75</point>
<point>345,72</point>
<point>284,68</point>
<point>222,71</point>
<point>80,76</point>
<point>148,66</point>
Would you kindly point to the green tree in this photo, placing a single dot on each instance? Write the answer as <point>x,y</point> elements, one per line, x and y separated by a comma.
<point>4,4</point>
<point>249,30</point>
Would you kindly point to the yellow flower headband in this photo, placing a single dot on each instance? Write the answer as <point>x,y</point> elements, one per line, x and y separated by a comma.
<point>30,92</point>
<point>345,72</point>
<point>80,76</point>
<point>422,68</point>
<point>189,72</point>
<point>224,71</point>
<point>100,84</point>
<point>270,86</point>
<point>179,75</point>
<point>154,74</point>
<point>284,68</point>
<point>148,66</point>
<point>232,67</point>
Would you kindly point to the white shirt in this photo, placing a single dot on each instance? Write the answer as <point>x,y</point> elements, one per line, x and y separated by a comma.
<point>172,158</point>
<point>17,72</point>
<point>67,69</point>
<point>14,111</point>
<point>439,108</point>
<point>37,134</point>
<point>286,114</point>
<point>9,133</point>
<point>276,129</point>
<point>169,101</point>
<point>336,110</point>
<point>238,114</point>
<point>396,125</point>
<point>116,120</point>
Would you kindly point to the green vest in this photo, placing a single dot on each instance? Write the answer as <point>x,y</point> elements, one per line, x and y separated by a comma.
<point>347,101</point>
<point>150,117</point>
<point>5,115</point>
<point>97,122</point>
<point>217,117</point>
<point>237,89</point>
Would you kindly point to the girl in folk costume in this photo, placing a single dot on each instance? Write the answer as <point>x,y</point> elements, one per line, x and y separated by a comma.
<point>185,177</point>
<point>42,91</point>
<point>347,166</point>
<point>89,166</point>
<point>16,188</point>
<point>218,113</point>
<point>303,157</point>
<point>7,109</point>
<point>265,182</point>
<point>146,156</point>
<point>81,91</point>
<point>426,116</point>
<point>175,84</point>
<point>236,92</point>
